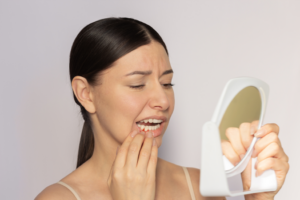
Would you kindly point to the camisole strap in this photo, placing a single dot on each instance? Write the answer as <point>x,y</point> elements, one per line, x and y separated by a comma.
<point>71,189</point>
<point>188,178</point>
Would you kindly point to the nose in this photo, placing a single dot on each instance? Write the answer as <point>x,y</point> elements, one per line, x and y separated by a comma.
<point>159,99</point>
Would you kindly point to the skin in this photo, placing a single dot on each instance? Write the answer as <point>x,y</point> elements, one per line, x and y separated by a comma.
<point>114,107</point>
<point>268,150</point>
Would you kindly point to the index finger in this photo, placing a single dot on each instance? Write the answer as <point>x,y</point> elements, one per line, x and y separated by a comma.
<point>266,129</point>
<point>122,152</point>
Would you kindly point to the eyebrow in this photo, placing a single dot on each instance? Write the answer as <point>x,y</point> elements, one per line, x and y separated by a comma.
<point>148,72</point>
<point>139,72</point>
<point>168,72</point>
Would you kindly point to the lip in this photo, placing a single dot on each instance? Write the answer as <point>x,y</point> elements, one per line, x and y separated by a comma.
<point>155,117</point>
<point>158,131</point>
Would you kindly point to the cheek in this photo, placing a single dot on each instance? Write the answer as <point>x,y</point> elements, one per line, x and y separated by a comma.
<point>171,98</point>
<point>117,110</point>
<point>130,105</point>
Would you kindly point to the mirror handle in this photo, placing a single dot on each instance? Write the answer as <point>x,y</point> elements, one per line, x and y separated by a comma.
<point>266,181</point>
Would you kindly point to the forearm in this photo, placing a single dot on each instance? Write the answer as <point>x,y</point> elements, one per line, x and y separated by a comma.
<point>251,197</point>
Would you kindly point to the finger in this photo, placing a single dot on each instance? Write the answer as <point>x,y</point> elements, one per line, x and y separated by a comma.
<point>134,150</point>
<point>145,152</point>
<point>246,176</point>
<point>229,152</point>
<point>254,127</point>
<point>264,142</point>
<point>266,129</point>
<point>151,169</point>
<point>246,137</point>
<point>233,134</point>
<point>272,150</point>
<point>111,169</point>
<point>122,152</point>
<point>271,163</point>
<point>110,174</point>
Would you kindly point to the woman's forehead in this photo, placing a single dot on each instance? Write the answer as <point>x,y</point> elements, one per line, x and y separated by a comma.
<point>147,57</point>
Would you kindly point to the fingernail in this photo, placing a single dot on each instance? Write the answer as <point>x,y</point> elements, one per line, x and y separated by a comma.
<point>255,166</point>
<point>143,133</point>
<point>154,142</point>
<point>242,156</point>
<point>253,153</point>
<point>259,132</point>
<point>252,130</point>
<point>149,134</point>
<point>133,133</point>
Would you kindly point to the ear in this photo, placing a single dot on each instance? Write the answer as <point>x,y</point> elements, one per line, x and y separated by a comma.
<point>83,93</point>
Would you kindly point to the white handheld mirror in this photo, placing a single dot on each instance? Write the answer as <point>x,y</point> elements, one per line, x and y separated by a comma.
<point>243,100</point>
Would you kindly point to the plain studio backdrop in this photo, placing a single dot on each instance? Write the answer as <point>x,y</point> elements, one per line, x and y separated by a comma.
<point>209,42</point>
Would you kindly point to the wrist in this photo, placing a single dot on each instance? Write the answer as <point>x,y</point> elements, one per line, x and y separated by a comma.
<point>249,197</point>
<point>253,197</point>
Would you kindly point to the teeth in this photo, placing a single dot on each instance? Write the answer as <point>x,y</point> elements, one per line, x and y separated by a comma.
<point>148,128</point>
<point>151,121</point>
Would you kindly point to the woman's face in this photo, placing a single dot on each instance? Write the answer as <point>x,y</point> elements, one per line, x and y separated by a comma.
<point>136,94</point>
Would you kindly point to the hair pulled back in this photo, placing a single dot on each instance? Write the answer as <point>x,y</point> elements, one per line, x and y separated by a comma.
<point>95,49</point>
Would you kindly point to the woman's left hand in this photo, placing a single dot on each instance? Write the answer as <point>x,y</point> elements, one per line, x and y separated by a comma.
<point>268,150</point>
<point>270,155</point>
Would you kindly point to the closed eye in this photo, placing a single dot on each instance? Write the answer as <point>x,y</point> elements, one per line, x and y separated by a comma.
<point>168,85</point>
<point>137,86</point>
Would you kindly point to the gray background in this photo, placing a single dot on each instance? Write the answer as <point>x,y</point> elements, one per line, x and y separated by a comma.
<point>209,43</point>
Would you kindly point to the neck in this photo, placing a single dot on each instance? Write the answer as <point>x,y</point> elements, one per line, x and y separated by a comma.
<point>100,164</point>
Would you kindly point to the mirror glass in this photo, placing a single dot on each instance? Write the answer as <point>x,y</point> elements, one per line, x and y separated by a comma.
<point>239,121</point>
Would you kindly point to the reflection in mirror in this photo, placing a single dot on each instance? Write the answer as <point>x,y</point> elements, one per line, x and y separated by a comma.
<point>245,109</point>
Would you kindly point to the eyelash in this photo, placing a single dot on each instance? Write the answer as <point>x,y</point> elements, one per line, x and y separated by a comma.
<point>168,85</point>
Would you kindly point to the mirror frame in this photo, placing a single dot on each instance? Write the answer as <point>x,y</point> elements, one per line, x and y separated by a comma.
<point>213,180</point>
<point>232,88</point>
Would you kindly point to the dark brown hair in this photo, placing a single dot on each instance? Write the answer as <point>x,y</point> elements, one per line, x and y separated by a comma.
<point>96,48</point>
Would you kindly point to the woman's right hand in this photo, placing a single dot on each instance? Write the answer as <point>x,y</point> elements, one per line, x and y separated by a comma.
<point>133,172</point>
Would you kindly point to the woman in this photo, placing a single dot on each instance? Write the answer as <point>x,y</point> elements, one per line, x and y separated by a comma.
<point>122,80</point>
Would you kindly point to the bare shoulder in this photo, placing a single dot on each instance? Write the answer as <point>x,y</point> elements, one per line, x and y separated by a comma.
<point>55,192</point>
<point>179,176</point>
<point>195,179</point>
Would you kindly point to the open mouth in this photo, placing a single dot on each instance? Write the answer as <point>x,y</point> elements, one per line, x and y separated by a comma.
<point>149,124</point>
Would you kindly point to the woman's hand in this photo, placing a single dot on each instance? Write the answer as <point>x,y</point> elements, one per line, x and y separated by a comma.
<point>268,150</point>
<point>270,155</point>
<point>133,172</point>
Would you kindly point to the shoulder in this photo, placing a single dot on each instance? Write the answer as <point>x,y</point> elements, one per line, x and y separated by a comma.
<point>195,179</point>
<point>56,192</point>
<point>194,174</point>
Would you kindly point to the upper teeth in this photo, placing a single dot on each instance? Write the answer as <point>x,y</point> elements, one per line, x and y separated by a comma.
<point>151,121</point>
